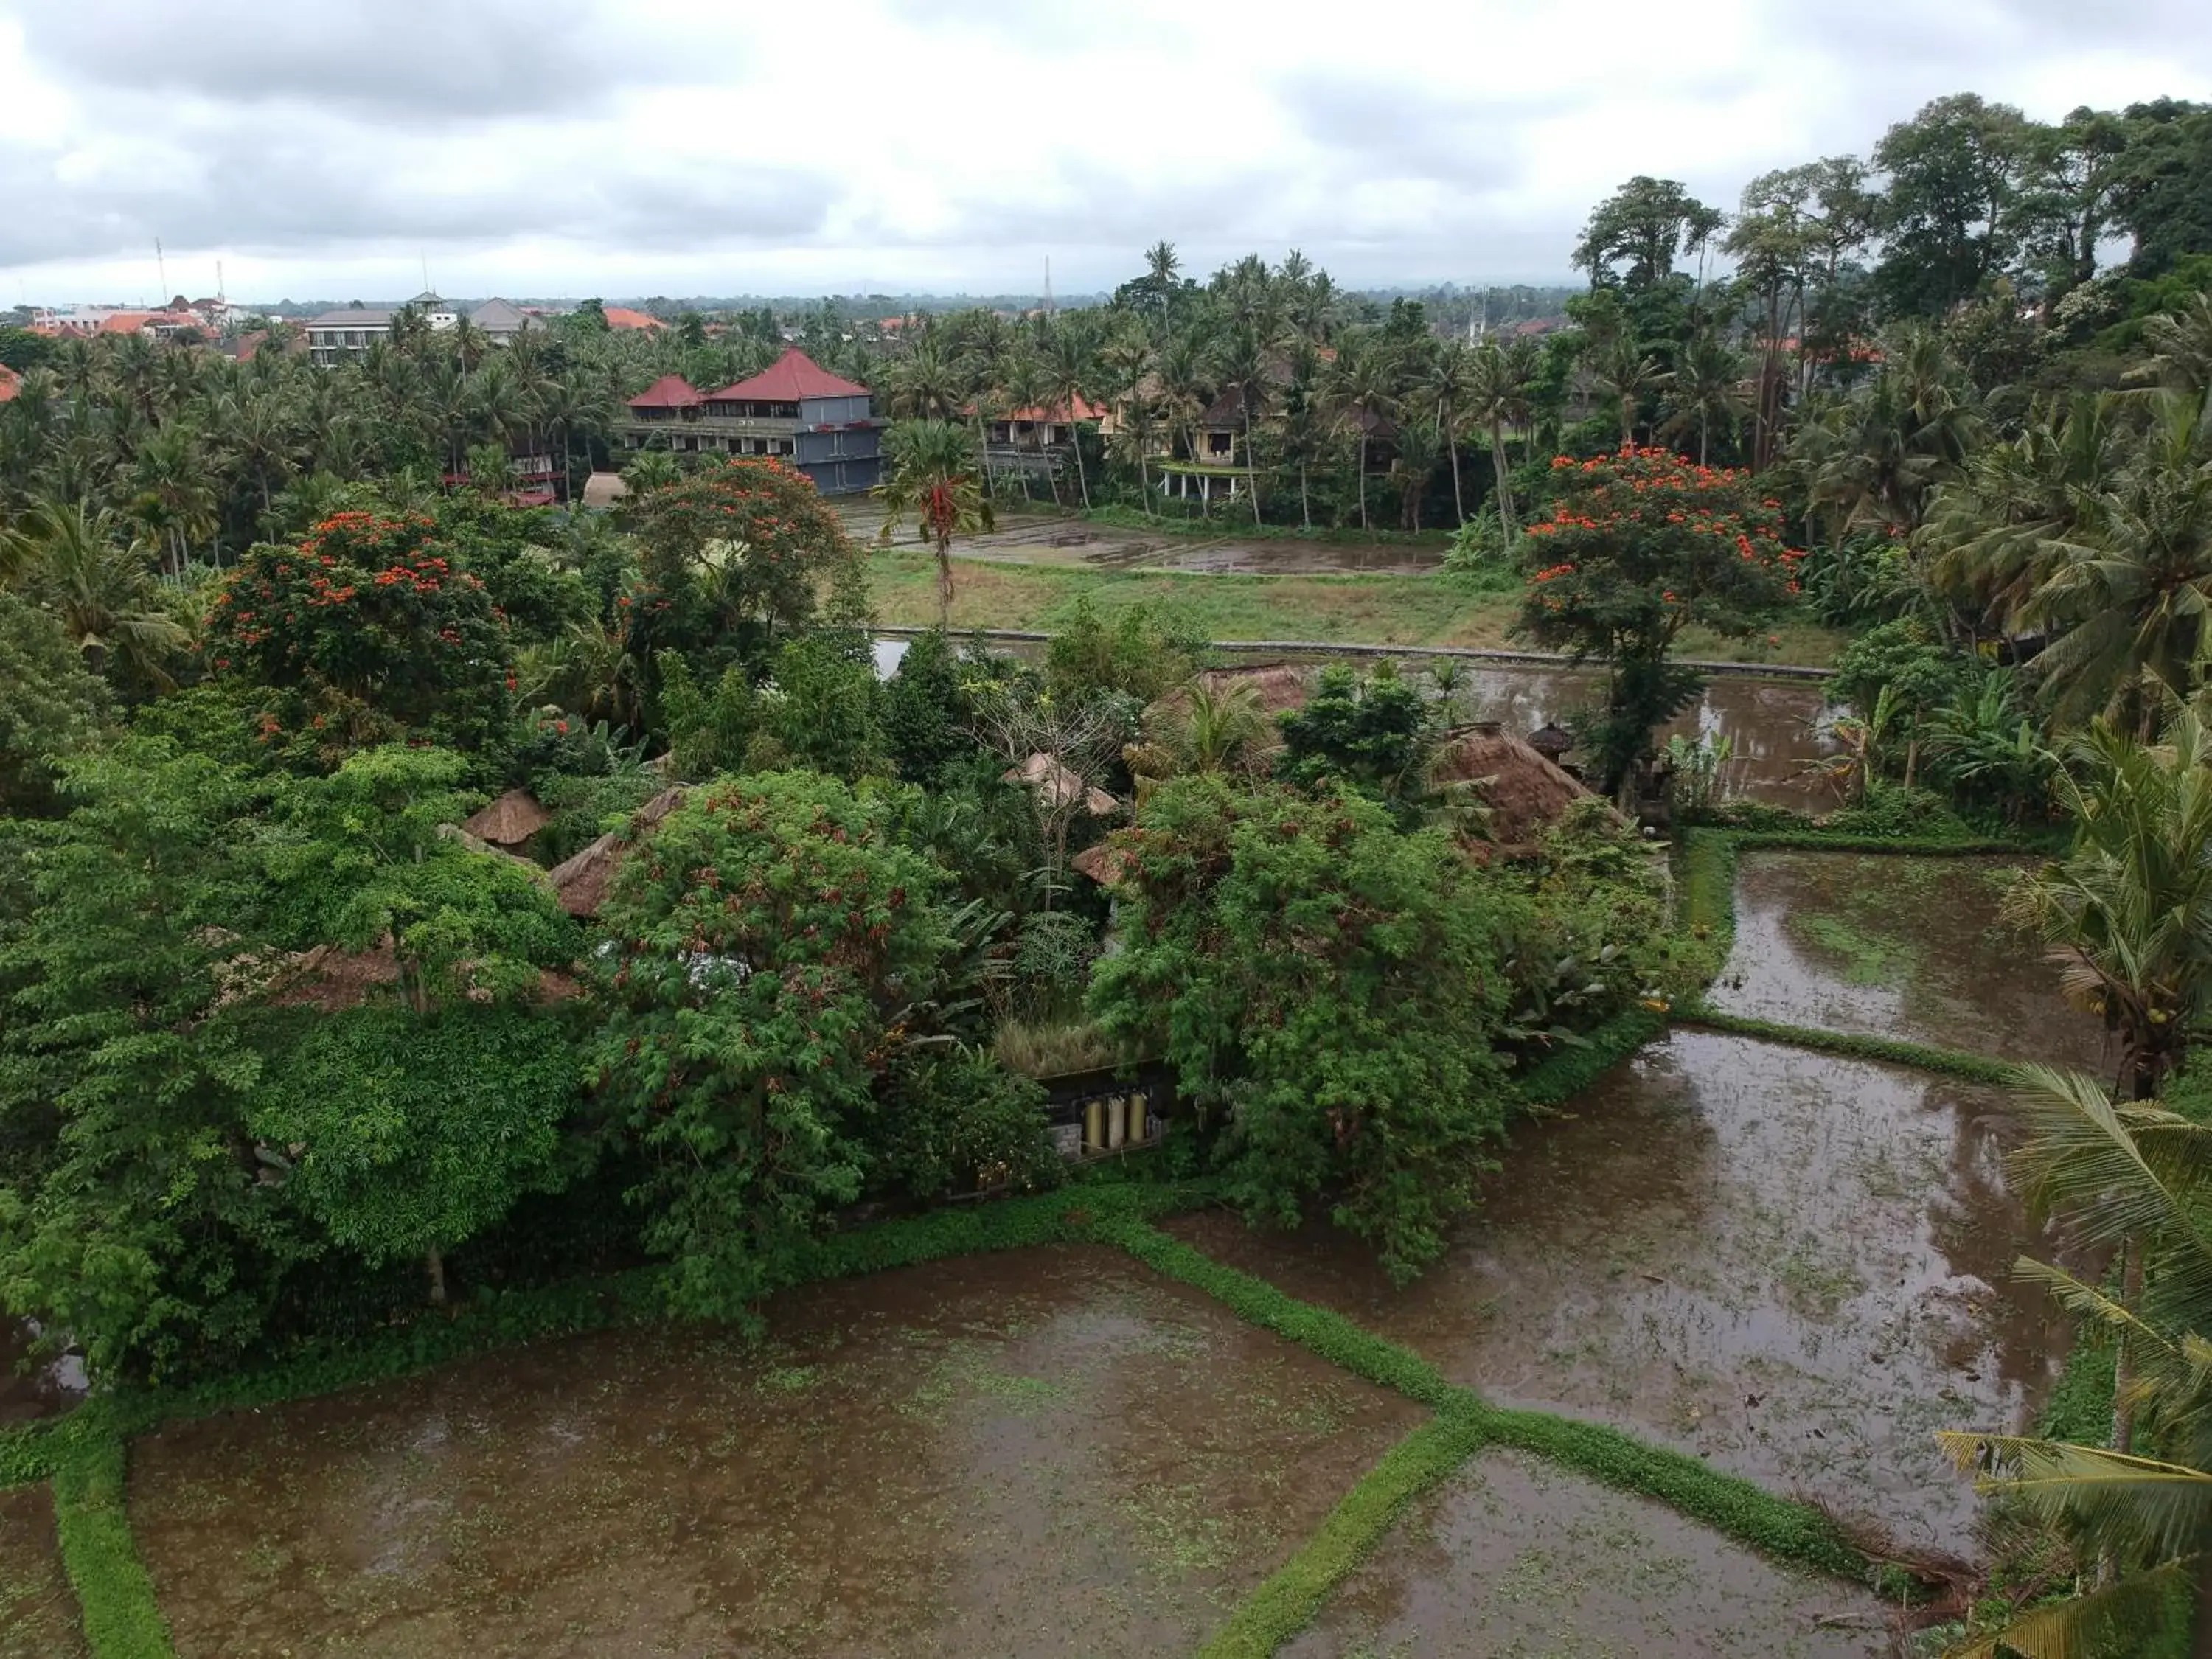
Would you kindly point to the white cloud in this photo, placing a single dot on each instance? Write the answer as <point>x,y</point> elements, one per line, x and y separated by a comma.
<point>323,149</point>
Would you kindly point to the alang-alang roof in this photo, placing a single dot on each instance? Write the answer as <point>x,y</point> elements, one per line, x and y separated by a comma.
<point>794,375</point>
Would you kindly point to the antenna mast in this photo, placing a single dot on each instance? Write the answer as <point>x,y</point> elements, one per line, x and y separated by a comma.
<point>162,265</point>
<point>1047,288</point>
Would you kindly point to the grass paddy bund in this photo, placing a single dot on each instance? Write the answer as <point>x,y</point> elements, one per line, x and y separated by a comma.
<point>1030,1475</point>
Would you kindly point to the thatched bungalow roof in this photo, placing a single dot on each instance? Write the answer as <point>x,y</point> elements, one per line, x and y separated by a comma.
<point>604,489</point>
<point>1525,792</point>
<point>1058,785</point>
<point>582,881</point>
<point>511,819</point>
<point>1104,864</point>
<point>330,979</point>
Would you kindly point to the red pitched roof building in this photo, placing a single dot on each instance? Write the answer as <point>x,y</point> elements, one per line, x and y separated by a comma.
<point>10,383</point>
<point>822,424</point>
<point>623,317</point>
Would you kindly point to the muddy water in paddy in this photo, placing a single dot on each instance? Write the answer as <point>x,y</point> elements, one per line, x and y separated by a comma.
<point>43,1389</point>
<point>37,1613</point>
<point>1795,1266</point>
<point>1912,948</point>
<point>1049,1452</point>
<point>1512,1558</point>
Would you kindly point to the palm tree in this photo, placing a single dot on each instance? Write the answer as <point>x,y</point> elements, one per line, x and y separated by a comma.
<point>2139,1178</point>
<point>1242,361</point>
<point>76,566</point>
<point>2128,912</point>
<point>1363,379</point>
<point>2129,588</point>
<point>932,474</point>
<point>1448,386</point>
<point>926,384</point>
<point>171,494</point>
<point>1497,396</point>
<point>1414,465</point>
<point>1874,457</point>
<point>1629,375</point>
<point>1706,386</point>
<point>2181,347</point>
<point>1070,368</point>
<point>1129,360</point>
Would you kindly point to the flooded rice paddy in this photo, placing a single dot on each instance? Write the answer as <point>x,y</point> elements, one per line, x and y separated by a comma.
<point>1050,1452</point>
<point>1899,947</point>
<point>1795,1266</point>
<point>1512,1558</point>
<point>38,1613</point>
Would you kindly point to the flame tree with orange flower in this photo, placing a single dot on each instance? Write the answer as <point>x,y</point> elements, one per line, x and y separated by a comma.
<point>1641,544</point>
<point>364,630</point>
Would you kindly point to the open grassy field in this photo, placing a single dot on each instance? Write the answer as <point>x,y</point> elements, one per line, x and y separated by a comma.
<point>1365,610</point>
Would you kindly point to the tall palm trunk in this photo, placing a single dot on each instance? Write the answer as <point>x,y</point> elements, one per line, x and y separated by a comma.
<point>1503,481</point>
<point>1075,442</point>
<point>944,579</point>
<point>1363,478</point>
<point>1451,444</point>
<point>1251,464</point>
<point>1305,500</point>
<point>433,1265</point>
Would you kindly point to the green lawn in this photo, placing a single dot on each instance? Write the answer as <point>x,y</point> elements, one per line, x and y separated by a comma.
<point>1361,609</point>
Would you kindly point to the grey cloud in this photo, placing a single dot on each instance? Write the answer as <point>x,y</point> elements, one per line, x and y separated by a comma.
<point>254,196</point>
<point>419,58</point>
<point>1411,131</point>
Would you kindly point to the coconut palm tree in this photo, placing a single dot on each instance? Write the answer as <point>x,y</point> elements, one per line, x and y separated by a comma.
<point>1241,360</point>
<point>2139,1178</point>
<point>2128,912</point>
<point>2129,587</point>
<point>1446,387</point>
<point>1629,375</point>
<point>1364,381</point>
<point>78,566</point>
<point>1705,388</point>
<point>932,474</point>
<point>1873,458</point>
<point>1498,379</point>
<point>1071,367</point>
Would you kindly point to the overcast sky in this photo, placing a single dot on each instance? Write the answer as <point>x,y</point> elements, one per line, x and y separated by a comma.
<point>323,148</point>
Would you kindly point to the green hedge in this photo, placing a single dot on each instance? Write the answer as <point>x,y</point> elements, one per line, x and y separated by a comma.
<point>114,1594</point>
<point>1916,847</point>
<point>1287,1602</point>
<point>1329,1334</point>
<point>1565,1073</point>
<point>1779,1527</point>
<point>1853,1045</point>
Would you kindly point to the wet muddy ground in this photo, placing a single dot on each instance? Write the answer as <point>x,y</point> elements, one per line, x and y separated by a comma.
<point>1051,1452</point>
<point>1512,1558</point>
<point>1912,948</point>
<point>1795,1266</point>
<point>37,1612</point>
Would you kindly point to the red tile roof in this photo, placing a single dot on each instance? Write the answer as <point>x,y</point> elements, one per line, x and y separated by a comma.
<point>795,376</point>
<point>1057,411</point>
<point>623,317</point>
<point>129,322</point>
<point>10,383</point>
<point>669,391</point>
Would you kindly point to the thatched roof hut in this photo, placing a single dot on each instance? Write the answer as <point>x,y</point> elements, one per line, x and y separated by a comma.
<point>582,881</point>
<point>511,820</point>
<point>1525,792</point>
<point>1059,786</point>
<point>1104,864</point>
